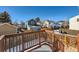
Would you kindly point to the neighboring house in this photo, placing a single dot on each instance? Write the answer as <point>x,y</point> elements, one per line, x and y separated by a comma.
<point>60,23</point>
<point>52,24</point>
<point>39,23</point>
<point>28,26</point>
<point>74,23</point>
<point>32,22</point>
<point>6,28</point>
<point>46,24</point>
<point>33,25</point>
<point>63,23</point>
<point>49,24</point>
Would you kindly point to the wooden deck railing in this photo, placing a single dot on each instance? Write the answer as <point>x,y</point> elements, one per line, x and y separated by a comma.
<point>25,41</point>
<point>22,41</point>
<point>67,41</point>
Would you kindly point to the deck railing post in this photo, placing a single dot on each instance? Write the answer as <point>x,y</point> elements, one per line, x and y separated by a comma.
<point>77,42</point>
<point>55,44</point>
<point>39,39</point>
<point>52,37</point>
<point>2,43</point>
<point>1,46</point>
<point>46,36</point>
<point>23,42</point>
<point>61,44</point>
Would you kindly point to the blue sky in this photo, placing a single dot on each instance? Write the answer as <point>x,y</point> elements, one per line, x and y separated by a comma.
<point>24,13</point>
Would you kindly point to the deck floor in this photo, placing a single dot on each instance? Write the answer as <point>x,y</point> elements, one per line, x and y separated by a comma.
<point>70,49</point>
<point>43,48</point>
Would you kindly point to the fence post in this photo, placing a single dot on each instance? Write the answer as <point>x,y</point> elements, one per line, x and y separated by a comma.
<point>2,43</point>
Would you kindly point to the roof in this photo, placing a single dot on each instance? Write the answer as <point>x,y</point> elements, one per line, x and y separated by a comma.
<point>1,18</point>
<point>74,17</point>
<point>77,16</point>
<point>8,25</point>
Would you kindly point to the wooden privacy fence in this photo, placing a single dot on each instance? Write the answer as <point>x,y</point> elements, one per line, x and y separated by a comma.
<point>24,41</point>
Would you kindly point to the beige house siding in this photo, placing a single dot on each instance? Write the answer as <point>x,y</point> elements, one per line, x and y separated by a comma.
<point>45,24</point>
<point>7,29</point>
<point>73,23</point>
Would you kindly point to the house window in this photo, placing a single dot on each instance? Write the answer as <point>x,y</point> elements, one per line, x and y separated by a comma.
<point>77,19</point>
